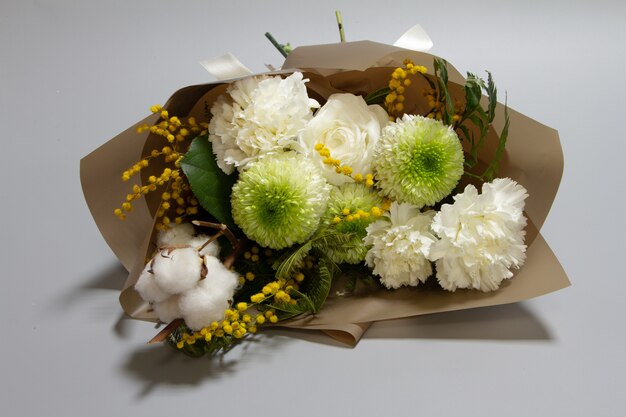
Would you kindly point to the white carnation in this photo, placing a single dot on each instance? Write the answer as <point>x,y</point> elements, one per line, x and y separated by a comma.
<point>177,270</point>
<point>210,298</point>
<point>350,129</point>
<point>400,246</point>
<point>482,236</point>
<point>258,116</point>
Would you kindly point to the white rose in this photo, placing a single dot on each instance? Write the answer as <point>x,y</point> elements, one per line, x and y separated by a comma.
<point>350,129</point>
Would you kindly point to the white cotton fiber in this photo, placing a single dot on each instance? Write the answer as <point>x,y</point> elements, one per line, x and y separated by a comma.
<point>177,270</point>
<point>176,235</point>
<point>168,310</point>
<point>212,248</point>
<point>218,277</point>
<point>148,289</point>
<point>203,305</point>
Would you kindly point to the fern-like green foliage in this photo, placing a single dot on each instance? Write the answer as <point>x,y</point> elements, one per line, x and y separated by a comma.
<point>314,292</point>
<point>474,113</point>
<point>292,261</point>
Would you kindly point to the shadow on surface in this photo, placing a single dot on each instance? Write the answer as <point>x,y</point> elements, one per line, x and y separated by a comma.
<point>111,278</point>
<point>122,326</point>
<point>161,365</point>
<point>312,336</point>
<point>505,322</point>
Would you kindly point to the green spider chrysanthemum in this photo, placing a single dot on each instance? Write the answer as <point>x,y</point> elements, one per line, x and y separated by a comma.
<point>359,201</point>
<point>278,200</point>
<point>418,161</point>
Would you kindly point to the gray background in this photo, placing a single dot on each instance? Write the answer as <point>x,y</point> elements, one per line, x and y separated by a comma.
<point>75,73</point>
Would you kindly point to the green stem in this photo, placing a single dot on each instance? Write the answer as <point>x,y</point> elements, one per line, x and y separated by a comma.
<point>476,177</point>
<point>342,35</point>
<point>276,44</point>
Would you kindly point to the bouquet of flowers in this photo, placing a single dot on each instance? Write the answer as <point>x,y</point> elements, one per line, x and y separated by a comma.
<point>361,182</point>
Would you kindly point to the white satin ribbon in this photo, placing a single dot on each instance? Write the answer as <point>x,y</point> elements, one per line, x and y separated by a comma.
<point>415,39</point>
<point>225,67</point>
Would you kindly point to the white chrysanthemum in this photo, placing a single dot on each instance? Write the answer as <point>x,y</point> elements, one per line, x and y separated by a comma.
<point>177,270</point>
<point>482,236</point>
<point>350,129</point>
<point>207,302</point>
<point>258,116</point>
<point>400,246</point>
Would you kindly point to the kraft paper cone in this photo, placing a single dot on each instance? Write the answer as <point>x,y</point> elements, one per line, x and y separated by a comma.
<point>533,158</point>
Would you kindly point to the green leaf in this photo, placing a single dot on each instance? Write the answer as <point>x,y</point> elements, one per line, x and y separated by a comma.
<point>441,71</point>
<point>208,182</point>
<point>492,169</point>
<point>492,93</point>
<point>468,136</point>
<point>318,289</point>
<point>428,79</point>
<point>473,93</point>
<point>303,305</point>
<point>378,96</point>
<point>291,262</point>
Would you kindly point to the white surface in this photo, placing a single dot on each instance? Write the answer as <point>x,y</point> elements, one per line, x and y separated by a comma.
<point>75,73</point>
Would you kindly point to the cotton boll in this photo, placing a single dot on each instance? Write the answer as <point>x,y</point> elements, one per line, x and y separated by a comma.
<point>220,278</point>
<point>176,235</point>
<point>212,248</point>
<point>203,304</point>
<point>148,288</point>
<point>168,309</point>
<point>177,270</point>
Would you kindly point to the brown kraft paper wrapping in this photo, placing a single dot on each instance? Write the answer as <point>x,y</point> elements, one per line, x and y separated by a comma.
<point>533,157</point>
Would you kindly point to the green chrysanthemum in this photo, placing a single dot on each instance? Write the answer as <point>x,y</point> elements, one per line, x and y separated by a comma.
<point>358,200</point>
<point>418,161</point>
<point>278,200</point>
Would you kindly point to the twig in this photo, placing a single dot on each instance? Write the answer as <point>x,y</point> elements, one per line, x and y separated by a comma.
<point>342,35</point>
<point>232,257</point>
<point>219,226</point>
<point>166,331</point>
<point>276,44</point>
<point>212,239</point>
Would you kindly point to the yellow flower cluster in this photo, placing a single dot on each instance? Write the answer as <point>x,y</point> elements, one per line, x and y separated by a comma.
<point>368,179</point>
<point>239,320</point>
<point>436,104</point>
<point>254,254</point>
<point>177,200</point>
<point>279,290</point>
<point>394,101</point>
<point>237,323</point>
<point>375,211</point>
